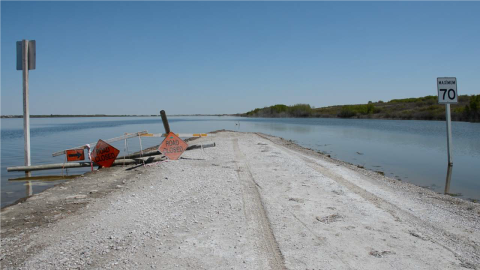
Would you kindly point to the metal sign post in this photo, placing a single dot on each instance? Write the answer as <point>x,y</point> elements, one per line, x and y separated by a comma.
<point>25,61</point>
<point>449,133</point>
<point>447,94</point>
<point>165,121</point>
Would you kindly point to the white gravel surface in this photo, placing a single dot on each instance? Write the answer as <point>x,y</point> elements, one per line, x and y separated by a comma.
<point>257,202</point>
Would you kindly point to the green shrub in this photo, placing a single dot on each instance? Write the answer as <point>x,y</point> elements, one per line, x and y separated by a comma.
<point>346,112</point>
<point>471,111</point>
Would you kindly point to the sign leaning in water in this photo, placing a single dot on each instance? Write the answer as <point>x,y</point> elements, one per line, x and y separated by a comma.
<point>173,147</point>
<point>104,154</point>
<point>447,94</point>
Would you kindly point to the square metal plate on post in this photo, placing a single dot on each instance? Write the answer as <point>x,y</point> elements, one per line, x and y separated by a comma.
<point>32,55</point>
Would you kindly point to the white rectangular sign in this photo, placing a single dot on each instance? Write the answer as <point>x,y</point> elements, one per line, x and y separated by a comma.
<point>447,90</point>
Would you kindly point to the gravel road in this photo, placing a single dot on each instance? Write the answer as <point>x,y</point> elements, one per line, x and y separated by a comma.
<point>252,202</point>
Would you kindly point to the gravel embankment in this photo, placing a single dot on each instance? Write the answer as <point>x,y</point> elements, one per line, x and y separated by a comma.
<point>252,202</point>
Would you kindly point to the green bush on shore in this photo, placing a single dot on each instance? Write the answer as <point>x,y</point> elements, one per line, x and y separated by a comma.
<point>472,110</point>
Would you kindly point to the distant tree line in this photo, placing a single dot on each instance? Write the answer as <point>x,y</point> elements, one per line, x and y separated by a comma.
<point>423,108</point>
<point>280,110</point>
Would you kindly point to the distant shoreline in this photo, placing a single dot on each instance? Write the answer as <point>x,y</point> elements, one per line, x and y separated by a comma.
<point>74,115</point>
<point>423,108</point>
<point>104,115</point>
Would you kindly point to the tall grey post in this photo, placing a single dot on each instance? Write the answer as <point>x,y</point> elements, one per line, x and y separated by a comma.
<point>26,112</point>
<point>449,134</point>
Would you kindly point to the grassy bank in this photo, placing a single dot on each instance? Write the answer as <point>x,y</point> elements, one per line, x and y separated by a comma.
<point>423,108</point>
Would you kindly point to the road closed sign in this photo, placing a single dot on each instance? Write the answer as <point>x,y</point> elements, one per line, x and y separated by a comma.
<point>104,154</point>
<point>447,90</point>
<point>173,147</point>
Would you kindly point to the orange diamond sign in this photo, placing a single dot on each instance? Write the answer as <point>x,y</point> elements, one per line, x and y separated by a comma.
<point>104,154</point>
<point>172,147</point>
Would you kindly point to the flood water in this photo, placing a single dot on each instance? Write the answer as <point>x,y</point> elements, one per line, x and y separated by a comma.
<point>410,151</point>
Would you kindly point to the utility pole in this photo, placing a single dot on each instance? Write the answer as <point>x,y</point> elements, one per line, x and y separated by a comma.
<point>26,110</point>
<point>26,57</point>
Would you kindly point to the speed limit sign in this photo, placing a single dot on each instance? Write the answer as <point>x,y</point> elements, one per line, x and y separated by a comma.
<point>447,90</point>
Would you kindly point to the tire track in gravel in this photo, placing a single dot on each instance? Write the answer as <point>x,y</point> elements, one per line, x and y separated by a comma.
<point>398,213</point>
<point>435,234</point>
<point>255,214</point>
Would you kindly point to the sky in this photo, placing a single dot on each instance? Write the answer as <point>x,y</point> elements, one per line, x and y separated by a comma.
<point>232,57</point>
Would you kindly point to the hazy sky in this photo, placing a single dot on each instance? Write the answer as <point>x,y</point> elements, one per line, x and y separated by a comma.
<point>230,57</point>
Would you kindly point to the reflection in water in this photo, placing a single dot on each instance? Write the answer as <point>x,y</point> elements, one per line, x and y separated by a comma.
<point>28,189</point>
<point>449,178</point>
<point>28,185</point>
<point>44,178</point>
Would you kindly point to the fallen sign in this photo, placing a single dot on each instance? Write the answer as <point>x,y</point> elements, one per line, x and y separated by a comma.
<point>181,135</point>
<point>75,154</point>
<point>173,147</point>
<point>104,154</point>
<point>145,158</point>
<point>84,164</point>
<point>131,135</point>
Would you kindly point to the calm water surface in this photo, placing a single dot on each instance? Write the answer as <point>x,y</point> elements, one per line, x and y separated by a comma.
<point>411,151</point>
